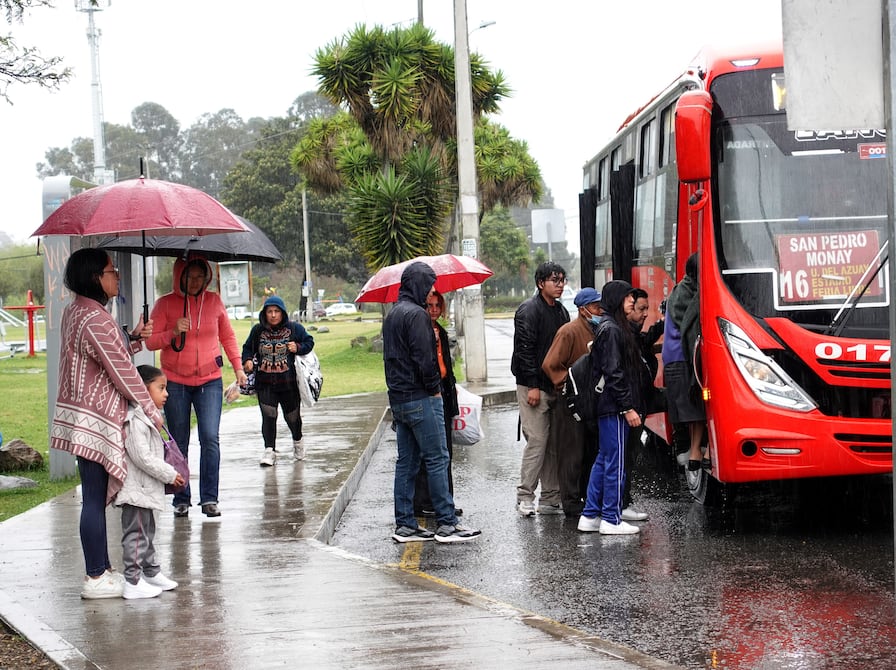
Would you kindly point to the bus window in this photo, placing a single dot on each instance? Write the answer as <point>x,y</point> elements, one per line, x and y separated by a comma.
<point>602,179</point>
<point>667,117</point>
<point>646,160</point>
<point>615,159</point>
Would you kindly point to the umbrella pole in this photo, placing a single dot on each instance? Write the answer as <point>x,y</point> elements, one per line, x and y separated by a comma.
<point>145,300</point>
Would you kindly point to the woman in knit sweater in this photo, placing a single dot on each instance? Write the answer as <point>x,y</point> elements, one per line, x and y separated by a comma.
<point>97,380</point>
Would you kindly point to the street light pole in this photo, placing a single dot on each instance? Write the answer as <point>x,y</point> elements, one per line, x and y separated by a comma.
<point>474,323</point>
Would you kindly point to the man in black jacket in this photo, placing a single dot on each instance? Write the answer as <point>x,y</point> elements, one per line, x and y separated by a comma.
<point>414,383</point>
<point>535,323</point>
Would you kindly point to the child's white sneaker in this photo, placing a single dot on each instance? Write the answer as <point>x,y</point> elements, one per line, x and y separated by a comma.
<point>140,590</point>
<point>161,581</point>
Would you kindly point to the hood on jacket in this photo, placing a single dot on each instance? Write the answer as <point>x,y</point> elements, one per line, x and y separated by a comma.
<point>417,281</point>
<point>180,273</point>
<point>273,301</point>
<point>612,295</point>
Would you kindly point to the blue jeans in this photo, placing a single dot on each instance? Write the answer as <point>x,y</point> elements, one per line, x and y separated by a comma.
<point>94,541</point>
<point>608,474</point>
<point>420,434</point>
<point>206,400</point>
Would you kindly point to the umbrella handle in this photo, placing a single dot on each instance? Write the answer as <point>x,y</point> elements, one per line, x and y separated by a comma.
<point>179,346</point>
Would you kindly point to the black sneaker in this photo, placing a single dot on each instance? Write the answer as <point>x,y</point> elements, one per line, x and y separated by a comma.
<point>456,534</point>
<point>181,510</point>
<point>211,509</point>
<point>408,534</point>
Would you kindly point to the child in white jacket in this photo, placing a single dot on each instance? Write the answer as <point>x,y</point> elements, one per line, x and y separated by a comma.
<point>143,492</point>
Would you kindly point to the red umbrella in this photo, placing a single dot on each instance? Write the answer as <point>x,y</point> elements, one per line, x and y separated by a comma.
<point>452,272</point>
<point>138,206</point>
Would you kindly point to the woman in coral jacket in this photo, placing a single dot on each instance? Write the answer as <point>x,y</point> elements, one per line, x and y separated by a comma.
<point>190,328</point>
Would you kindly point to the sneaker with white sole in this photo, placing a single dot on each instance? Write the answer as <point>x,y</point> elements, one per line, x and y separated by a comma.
<point>550,509</point>
<point>408,534</point>
<point>621,528</point>
<point>525,508</point>
<point>107,585</point>
<point>588,524</point>
<point>449,534</point>
<point>161,581</point>
<point>629,514</point>
<point>268,457</point>
<point>298,449</point>
<point>140,590</point>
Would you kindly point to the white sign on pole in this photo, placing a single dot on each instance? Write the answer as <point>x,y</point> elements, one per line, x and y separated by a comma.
<point>833,64</point>
<point>548,225</point>
<point>469,247</point>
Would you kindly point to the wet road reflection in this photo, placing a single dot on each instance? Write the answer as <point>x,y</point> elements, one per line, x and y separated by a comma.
<point>789,575</point>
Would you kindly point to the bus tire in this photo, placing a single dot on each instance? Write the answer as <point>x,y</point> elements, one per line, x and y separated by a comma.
<point>706,489</point>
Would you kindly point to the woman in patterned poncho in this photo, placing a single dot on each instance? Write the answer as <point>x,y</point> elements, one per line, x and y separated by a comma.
<point>97,380</point>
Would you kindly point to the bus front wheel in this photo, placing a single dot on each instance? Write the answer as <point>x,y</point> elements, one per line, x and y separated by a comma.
<point>706,489</point>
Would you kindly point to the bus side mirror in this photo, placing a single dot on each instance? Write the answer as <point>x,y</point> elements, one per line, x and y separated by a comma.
<point>693,114</point>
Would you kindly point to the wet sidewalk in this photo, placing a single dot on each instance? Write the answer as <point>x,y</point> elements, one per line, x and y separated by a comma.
<point>259,586</point>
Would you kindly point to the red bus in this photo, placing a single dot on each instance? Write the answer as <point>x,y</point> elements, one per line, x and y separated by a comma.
<point>791,227</point>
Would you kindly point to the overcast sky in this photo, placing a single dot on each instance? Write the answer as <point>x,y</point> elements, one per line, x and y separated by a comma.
<point>577,69</point>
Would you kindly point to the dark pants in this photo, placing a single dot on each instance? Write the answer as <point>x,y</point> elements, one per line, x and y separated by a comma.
<point>632,445</point>
<point>285,397</point>
<point>576,450</point>
<point>94,541</point>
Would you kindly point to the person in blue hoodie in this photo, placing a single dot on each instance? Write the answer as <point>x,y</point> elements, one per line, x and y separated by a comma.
<point>415,385</point>
<point>270,351</point>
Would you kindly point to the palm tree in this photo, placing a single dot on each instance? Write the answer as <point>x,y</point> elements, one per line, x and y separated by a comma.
<point>393,149</point>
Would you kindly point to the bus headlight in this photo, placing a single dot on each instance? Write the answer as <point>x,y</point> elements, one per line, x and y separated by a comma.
<point>765,377</point>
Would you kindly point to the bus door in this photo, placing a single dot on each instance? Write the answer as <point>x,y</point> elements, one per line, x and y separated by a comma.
<point>622,220</point>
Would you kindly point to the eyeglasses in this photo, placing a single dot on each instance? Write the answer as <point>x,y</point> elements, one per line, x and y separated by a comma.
<point>557,280</point>
<point>113,271</point>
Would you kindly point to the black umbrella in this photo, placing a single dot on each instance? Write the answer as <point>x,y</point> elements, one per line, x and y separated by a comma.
<point>251,246</point>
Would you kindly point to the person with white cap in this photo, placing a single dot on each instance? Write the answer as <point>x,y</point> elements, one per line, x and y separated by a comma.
<point>576,442</point>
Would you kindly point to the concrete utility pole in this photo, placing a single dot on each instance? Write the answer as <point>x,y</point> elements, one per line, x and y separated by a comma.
<point>474,324</point>
<point>308,287</point>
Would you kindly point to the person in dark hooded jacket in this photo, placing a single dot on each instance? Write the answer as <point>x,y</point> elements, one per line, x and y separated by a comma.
<point>414,383</point>
<point>274,342</point>
<point>616,357</point>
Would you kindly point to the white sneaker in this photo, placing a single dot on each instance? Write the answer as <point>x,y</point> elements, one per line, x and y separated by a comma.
<point>298,449</point>
<point>107,585</point>
<point>629,514</point>
<point>550,509</point>
<point>621,528</point>
<point>589,525</point>
<point>526,508</point>
<point>140,590</point>
<point>161,581</point>
<point>268,457</point>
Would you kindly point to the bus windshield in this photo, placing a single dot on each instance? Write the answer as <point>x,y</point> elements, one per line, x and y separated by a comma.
<point>802,217</point>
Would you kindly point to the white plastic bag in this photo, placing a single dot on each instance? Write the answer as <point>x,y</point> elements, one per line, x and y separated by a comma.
<point>466,427</point>
<point>309,377</point>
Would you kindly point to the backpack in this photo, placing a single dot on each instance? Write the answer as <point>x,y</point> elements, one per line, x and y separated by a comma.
<point>580,392</point>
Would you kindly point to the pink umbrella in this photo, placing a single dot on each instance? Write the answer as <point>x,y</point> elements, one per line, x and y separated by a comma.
<point>138,206</point>
<point>452,272</point>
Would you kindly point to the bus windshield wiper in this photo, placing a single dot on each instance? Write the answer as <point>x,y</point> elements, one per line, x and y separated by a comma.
<point>852,300</point>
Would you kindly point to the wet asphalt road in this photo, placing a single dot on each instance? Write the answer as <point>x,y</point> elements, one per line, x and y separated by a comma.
<point>787,576</point>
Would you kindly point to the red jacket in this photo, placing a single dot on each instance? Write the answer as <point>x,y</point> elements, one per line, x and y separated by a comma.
<point>210,330</point>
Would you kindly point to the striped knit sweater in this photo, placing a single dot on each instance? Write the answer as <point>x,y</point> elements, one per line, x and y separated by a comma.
<point>97,380</point>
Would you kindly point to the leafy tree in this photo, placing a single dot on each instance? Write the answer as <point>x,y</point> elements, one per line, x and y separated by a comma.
<point>393,151</point>
<point>505,250</point>
<point>25,65</point>
<point>264,188</point>
<point>21,269</point>
<point>158,136</point>
<point>211,146</point>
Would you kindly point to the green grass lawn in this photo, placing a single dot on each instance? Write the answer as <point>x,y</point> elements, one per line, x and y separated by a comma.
<point>23,379</point>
